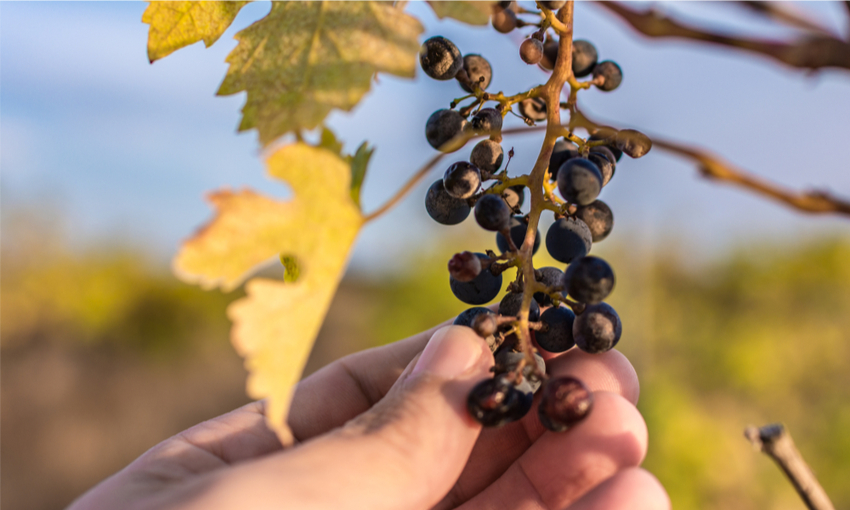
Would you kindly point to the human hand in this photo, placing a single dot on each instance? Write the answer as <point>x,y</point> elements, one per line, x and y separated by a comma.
<point>387,428</point>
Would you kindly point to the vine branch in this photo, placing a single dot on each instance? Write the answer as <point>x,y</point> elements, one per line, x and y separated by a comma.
<point>776,442</point>
<point>813,51</point>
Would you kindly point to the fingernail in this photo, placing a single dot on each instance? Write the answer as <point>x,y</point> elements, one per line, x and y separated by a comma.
<point>451,351</point>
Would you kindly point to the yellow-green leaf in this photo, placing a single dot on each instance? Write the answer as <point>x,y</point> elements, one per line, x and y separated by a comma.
<point>275,325</point>
<point>472,12</point>
<point>306,58</point>
<point>178,24</point>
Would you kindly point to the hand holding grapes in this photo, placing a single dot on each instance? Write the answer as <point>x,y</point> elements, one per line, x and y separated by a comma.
<point>388,428</point>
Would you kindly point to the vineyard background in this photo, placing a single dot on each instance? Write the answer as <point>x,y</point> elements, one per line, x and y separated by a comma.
<point>736,310</point>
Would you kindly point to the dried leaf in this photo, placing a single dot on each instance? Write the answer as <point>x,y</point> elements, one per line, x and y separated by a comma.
<point>275,325</point>
<point>174,25</point>
<point>306,58</point>
<point>473,13</point>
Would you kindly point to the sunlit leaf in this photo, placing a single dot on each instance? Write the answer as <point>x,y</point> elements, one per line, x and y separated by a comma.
<point>291,269</point>
<point>473,13</point>
<point>174,25</point>
<point>275,326</point>
<point>306,58</point>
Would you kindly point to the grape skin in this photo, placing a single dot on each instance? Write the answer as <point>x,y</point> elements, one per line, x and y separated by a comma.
<point>440,58</point>
<point>466,317</point>
<point>462,179</point>
<point>504,21</point>
<point>562,152</point>
<point>579,181</point>
<point>597,329</point>
<point>534,108</point>
<point>488,120</point>
<point>604,165</point>
<point>599,219</point>
<point>559,335</point>
<point>442,126</point>
<point>612,73</point>
<point>484,288</point>
<point>487,155</point>
<point>496,412</point>
<point>584,58</point>
<point>589,280</point>
<point>531,51</point>
<point>518,230</point>
<point>492,213</point>
<point>550,277</point>
<point>444,208</point>
<point>514,196</point>
<point>511,303</point>
<point>634,143</point>
<point>507,359</point>
<point>568,239</point>
<point>600,135</point>
<point>477,67</point>
<point>550,54</point>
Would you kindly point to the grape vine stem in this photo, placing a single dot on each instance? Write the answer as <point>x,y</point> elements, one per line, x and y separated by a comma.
<point>776,442</point>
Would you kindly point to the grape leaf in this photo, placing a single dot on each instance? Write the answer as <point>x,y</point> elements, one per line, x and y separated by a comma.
<point>174,25</point>
<point>306,58</point>
<point>473,13</point>
<point>275,325</point>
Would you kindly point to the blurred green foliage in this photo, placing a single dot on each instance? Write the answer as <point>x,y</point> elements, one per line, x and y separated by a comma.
<point>760,336</point>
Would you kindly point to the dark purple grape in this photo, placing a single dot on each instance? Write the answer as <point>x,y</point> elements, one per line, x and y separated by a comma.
<point>565,402</point>
<point>514,196</point>
<point>467,316</point>
<point>589,280</point>
<point>534,108</point>
<point>557,335</point>
<point>440,58</point>
<point>482,289</point>
<point>584,58</point>
<point>531,51</point>
<point>634,143</point>
<point>562,152</point>
<point>487,155</point>
<point>496,402</point>
<point>444,208</point>
<point>579,181</point>
<point>442,126</point>
<point>462,179</point>
<point>612,74</point>
<point>477,68</point>
<point>607,134</point>
<point>504,21</point>
<point>568,239</point>
<point>511,303</point>
<point>550,54</point>
<point>604,165</point>
<point>550,277</point>
<point>488,120</point>
<point>518,229</point>
<point>597,329</point>
<point>599,219</point>
<point>506,361</point>
<point>492,213</point>
<point>464,266</point>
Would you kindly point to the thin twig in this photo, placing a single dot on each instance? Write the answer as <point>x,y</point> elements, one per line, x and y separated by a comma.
<point>775,442</point>
<point>782,13</point>
<point>711,166</point>
<point>809,52</point>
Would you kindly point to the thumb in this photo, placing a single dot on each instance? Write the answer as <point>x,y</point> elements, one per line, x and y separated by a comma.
<point>409,449</point>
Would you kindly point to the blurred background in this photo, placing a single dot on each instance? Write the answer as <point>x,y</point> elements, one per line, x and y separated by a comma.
<point>736,310</point>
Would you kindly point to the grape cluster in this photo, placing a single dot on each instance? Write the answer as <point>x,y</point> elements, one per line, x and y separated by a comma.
<point>561,309</point>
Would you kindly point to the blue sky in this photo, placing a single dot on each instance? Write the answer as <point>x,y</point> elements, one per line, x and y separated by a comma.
<point>125,150</point>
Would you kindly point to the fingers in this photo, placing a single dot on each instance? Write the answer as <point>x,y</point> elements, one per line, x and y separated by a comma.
<point>405,452</point>
<point>350,386</point>
<point>559,468</point>
<point>630,489</point>
<point>497,449</point>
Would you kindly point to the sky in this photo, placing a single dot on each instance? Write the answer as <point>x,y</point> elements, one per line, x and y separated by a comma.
<point>122,150</point>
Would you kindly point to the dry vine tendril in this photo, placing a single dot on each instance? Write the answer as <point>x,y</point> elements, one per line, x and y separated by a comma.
<point>578,168</point>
